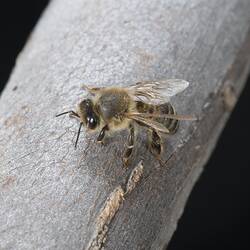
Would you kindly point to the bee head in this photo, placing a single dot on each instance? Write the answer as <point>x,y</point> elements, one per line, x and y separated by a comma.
<point>88,115</point>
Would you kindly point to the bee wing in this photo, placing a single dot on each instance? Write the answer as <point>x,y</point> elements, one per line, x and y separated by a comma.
<point>156,92</point>
<point>148,122</point>
<point>169,116</point>
<point>91,90</point>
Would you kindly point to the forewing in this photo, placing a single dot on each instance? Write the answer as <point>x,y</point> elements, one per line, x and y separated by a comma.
<point>168,116</point>
<point>156,92</point>
<point>149,123</point>
<point>91,90</point>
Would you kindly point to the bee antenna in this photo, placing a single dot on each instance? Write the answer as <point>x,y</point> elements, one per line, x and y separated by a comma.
<point>78,134</point>
<point>63,113</point>
<point>73,113</point>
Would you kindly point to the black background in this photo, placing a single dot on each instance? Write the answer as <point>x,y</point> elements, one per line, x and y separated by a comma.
<point>217,214</point>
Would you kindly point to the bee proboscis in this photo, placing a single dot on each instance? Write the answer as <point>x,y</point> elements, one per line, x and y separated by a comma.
<point>145,103</point>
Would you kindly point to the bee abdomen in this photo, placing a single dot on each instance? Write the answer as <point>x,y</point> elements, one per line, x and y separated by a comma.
<point>170,124</point>
<point>166,108</point>
<point>143,107</point>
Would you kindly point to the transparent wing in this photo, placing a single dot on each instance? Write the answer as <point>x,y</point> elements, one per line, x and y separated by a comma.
<point>91,90</point>
<point>149,123</point>
<point>169,116</point>
<point>157,91</point>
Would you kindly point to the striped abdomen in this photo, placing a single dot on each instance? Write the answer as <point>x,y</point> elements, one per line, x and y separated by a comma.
<point>166,108</point>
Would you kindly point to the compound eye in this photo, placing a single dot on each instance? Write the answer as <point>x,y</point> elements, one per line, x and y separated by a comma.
<point>91,122</point>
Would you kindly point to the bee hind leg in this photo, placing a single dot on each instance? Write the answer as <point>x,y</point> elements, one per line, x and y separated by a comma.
<point>156,145</point>
<point>130,145</point>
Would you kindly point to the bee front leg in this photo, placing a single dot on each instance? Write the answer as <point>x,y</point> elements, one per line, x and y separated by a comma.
<point>101,135</point>
<point>155,145</point>
<point>130,145</point>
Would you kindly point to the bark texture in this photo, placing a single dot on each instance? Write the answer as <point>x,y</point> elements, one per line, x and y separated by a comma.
<point>55,197</point>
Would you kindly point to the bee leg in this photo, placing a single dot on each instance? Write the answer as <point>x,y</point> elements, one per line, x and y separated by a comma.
<point>130,145</point>
<point>101,135</point>
<point>155,145</point>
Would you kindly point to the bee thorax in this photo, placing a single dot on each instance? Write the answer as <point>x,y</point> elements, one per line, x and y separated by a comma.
<point>112,105</point>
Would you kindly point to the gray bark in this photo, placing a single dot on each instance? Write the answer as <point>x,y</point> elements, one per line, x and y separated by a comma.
<point>47,199</point>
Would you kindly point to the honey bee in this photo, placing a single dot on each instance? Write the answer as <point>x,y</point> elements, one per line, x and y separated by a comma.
<point>145,103</point>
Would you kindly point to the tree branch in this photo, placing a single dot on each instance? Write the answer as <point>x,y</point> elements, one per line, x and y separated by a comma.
<point>55,197</point>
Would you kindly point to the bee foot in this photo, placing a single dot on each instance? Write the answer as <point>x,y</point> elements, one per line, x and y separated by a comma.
<point>125,162</point>
<point>102,143</point>
<point>161,162</point>
<point>159,159</point>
